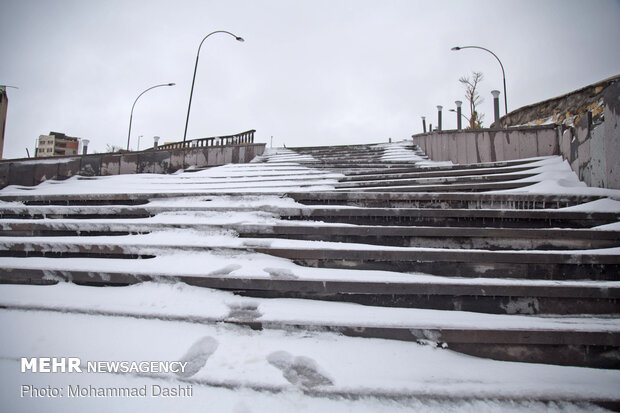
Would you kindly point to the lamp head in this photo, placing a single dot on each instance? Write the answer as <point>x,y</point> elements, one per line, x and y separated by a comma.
<point>240,39</point>
<point>456,48</point>
<point>171,84</point>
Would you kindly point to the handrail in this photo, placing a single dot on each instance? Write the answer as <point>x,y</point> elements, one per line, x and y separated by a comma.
<point>238,139</point>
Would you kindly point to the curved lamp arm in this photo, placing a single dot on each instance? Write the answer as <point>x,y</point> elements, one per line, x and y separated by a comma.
<point>500,64</point>
<point>191,93</point>
<point>134,105</point>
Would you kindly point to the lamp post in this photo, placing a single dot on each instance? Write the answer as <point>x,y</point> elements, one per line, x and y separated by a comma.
<point>495,94</point>
<point>85,143</point>
<point>134,105</point>
<point>191,93</point>
<point>4,105</point>
<point>458,114</point>
<point>500,63</point>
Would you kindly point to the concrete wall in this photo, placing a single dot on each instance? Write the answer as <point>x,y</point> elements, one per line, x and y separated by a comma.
<point>31,172</point>
<point>591,145</point>
<point>593,148</point>
<point>489,145</point>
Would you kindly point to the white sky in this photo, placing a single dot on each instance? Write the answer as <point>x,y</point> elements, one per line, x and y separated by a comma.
<point>311,72</point>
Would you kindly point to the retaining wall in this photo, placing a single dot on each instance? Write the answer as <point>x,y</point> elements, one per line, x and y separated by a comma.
<point>591,145</point>
<point>593,148</point>
<point>489,145</point>
<point>30,172</point>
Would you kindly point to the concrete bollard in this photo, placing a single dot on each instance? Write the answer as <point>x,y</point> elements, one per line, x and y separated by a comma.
<point>85,143</point>
<point>439,108</point>
<point>495,94</point>
<point>424,123</point>
<point>155,141</point>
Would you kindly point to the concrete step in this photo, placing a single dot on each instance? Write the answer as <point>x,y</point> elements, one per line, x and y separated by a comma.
<point>390,175</point>
<point>463,263</point>
<point>413,167</point>
<point>587,346</point>
<point>464,187</point>
<point>507,297</point>
<point>492,218</point>
<point>403,236</point>
<point>360,166</point>
<point>450,180</point>
<point>433,237</point>
<point>498,218</point>
<point>445,200</point>
<point>541,265</point>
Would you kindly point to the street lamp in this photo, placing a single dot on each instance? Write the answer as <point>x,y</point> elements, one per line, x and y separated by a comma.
<point>4,104</point>
<point>191,93</point>
<point>134,105</point>
<point>462,114</point>
<point>500,63</point>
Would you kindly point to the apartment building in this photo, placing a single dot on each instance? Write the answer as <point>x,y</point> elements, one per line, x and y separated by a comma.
<point>57,144</point>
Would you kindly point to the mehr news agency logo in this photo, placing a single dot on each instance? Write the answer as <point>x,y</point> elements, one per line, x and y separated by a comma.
<point>74,365</point>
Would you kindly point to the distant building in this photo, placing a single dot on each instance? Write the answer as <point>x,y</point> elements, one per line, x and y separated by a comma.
<point>57,144</point>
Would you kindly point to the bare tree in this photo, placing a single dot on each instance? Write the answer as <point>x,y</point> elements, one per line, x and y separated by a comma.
<point>112,148</point>
<point>474,99</point>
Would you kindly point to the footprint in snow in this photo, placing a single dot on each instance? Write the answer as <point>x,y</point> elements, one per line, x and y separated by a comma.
<point>197,356</point>
<point>281,273</point>
<point>257,243</point>
<point>225,270</point>
<point>243,311</point>
<point>300,371</point>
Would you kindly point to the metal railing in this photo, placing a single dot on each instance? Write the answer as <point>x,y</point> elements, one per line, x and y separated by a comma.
<point>238,139</point>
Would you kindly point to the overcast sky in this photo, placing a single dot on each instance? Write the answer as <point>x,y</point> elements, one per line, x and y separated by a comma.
<point>310,72</point>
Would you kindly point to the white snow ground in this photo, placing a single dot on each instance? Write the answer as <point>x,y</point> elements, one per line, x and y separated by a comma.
<point>161,321</point>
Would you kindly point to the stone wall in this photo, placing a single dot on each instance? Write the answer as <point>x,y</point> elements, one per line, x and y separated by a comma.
<point>29,172</point>
<point>567,110</point>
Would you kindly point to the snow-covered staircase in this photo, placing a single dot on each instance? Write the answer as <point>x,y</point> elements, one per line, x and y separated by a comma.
<point>490,260</point>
